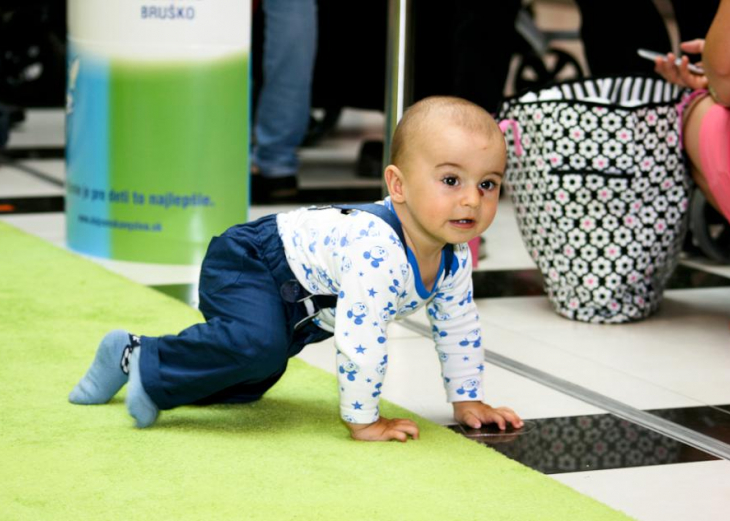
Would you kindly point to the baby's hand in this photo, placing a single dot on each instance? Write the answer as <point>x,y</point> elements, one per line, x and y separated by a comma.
<point>476,414</point>
<point>384,430</point>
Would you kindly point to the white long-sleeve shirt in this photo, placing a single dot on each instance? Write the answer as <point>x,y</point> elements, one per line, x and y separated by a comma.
<point>359,257</point>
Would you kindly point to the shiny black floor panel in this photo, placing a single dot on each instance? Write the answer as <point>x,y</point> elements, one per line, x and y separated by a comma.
<point>583,443</point>
<point>529,283</point>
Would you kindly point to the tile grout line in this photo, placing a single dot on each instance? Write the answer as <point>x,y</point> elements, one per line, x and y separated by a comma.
<point>645,419</point>
<point>32,171</point>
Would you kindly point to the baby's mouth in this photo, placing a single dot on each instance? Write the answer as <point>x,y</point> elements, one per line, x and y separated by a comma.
<point>463,223</point>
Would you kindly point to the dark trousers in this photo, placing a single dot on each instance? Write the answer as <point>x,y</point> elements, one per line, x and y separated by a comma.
<point>242,348</point>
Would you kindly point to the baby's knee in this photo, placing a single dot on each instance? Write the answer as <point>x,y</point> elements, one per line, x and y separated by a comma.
<point>266,356</point>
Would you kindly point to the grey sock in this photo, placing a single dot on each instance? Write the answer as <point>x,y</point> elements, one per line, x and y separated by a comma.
<point>107,373</point>
<point>139,405</point>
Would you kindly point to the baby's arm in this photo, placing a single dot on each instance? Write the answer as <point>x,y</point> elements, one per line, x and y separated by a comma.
<point>368,300</point>
<point>458,337</point>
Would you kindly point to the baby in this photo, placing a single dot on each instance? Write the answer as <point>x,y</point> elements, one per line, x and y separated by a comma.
<point>270,287</point>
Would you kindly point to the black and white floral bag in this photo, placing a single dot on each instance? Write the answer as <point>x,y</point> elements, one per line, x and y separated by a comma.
<point>596,173</point>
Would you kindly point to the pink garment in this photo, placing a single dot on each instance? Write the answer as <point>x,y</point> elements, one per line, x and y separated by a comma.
<point>474,247</point>
<point>715,154</point>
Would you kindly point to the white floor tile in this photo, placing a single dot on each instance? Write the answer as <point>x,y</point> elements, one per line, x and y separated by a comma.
<point>361,123</point>
<point>533,349</point>
<point>14,182</point>
<point>414,382</point>
<point>680,356</point>
<point>48,226</point>
<point>151,274</point>
<point>505,250</point>
<point>680,492</point>
<point>51,227</point>
<point>54,168</point>
<point>708,265</point>
<point>41,128</point>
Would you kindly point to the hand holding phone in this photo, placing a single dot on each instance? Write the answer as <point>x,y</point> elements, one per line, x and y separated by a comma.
<point>653,55</point>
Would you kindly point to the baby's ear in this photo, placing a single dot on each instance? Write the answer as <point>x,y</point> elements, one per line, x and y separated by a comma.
<point>394,181</point>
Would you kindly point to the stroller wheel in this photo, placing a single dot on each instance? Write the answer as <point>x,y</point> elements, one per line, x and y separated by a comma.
<point>710,230</point>
<point>534,71</point>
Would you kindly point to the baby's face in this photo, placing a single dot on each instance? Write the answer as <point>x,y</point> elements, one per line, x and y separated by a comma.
<point>452,179</point>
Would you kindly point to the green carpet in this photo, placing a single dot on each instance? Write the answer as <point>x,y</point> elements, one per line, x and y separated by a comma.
<point>285,457</point>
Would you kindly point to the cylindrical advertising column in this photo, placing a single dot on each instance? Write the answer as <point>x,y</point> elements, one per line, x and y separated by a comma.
<point>157,126</point>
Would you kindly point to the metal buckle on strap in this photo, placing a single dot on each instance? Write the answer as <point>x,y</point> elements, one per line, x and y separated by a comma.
<point>292,291</point>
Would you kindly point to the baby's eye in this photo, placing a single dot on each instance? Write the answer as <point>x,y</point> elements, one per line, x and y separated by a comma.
<point>488,185</point>
<point>450,180</point>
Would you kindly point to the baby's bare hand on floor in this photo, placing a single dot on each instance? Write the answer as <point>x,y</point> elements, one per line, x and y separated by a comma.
<point>384,430</point>
<point>475,414</point>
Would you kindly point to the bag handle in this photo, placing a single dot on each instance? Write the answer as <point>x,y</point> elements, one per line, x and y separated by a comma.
<point>512,123</point>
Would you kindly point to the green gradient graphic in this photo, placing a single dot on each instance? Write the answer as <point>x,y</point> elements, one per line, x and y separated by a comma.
<point>177,129</point>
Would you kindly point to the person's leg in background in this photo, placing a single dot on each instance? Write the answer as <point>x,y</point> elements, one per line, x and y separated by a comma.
<point>282,111</point>
<point>613,31</point>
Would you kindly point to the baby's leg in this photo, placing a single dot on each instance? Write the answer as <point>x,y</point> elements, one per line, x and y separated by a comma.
<point>109,370</point>
<point>222,358</point>
<point>243,346</point>
<point>115,363</point>
<point>139,405</point>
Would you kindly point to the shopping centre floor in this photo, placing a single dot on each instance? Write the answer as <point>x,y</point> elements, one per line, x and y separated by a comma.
<point>636,416</point>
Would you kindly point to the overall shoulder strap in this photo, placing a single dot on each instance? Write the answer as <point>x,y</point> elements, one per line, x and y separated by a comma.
<point>391,218</point>
<point>378,210</point>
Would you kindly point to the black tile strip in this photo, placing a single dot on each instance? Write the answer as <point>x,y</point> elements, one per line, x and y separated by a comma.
<point>688,277</point>
<point>20,205</point>
<point>34,153</point>
<point>713,421</point>
<point>354,194</point>
<point>582,443</point>
<point>529,283</point>
<point>508,283</point>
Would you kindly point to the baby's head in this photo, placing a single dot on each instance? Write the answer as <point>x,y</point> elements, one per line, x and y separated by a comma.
<point>429,114</point>
<point>448,158</point>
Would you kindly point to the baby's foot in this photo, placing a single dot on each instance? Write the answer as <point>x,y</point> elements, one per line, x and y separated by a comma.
<point>139,405</point>
<point>108,372</point>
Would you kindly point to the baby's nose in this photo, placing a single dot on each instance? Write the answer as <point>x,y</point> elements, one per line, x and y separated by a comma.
<point>472,196</point>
